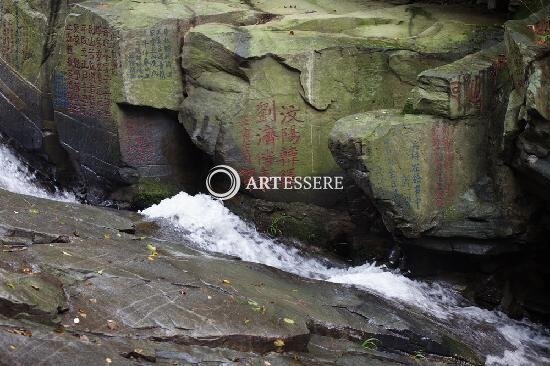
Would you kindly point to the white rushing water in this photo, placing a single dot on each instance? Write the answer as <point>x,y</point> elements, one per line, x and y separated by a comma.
<point>16,177</point>
<point>213,228</point>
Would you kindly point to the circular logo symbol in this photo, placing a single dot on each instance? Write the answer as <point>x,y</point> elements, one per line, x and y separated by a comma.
<point>233,176</point>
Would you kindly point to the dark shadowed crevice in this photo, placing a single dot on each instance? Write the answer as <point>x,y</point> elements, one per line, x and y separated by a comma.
<point>157,150</point>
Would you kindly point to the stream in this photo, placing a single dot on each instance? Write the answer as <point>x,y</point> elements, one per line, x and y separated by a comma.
<point>211,227</point>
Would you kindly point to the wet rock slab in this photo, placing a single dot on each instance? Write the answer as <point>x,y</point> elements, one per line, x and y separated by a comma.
<point>101,293</point>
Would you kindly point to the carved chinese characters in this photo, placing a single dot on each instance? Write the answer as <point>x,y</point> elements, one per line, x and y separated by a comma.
<point>92,60</point>
<point>270,140</point>
<point>150,55</point>
<point>442,163</point>
<point>474,92</point>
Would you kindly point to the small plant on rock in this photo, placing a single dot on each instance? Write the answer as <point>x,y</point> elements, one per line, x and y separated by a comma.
<point>370,344</point>
<point>418,355</point>
<point>274,228</point>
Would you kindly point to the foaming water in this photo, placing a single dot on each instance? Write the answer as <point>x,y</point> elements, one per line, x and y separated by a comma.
<point>210,226</point>
<point>16,177</point>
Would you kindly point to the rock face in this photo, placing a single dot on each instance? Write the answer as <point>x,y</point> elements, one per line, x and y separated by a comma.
<point>529,51</point>
<point>474,85</point>
<point>425,175</point>
<point>90,292</point>
<point>438,172</point>
<point>116,80</point>
<point>274,90</point>
<point>24,68</point>
<point>138,98</point>
<point>101,82</point>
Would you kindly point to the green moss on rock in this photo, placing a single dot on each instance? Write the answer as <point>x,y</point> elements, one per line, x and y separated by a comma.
<point>320,67</point>
<point>151,191</point>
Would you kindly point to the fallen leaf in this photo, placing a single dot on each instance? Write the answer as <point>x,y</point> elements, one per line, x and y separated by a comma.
<point>82,313</point>
<point>111,324</point>
<point>279,343</point>
<point>261,309</point>
<point>20,331</point>
<point>10,285</point>
<point>252,303</point>
<point>35,287</point>
<point>246,321</point>
<point>93,301</point>
<point>66,253</point>
<point>227,282</point>
<point>153,250</point>
<point>84,338</point>
<point>107,236</point>
<point>288,321</point>
<point>12,347</point>
<point>33,211</point>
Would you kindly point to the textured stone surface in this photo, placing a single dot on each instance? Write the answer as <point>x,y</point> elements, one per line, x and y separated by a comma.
<point>275,89</point>
<point>538,91</point>
<point>23,33</point>
<point>87,68</point>
<point>526,45</point>
<point>178,307</point>
<point>529,52</point>
<point>467,87</point>
<point>429,176</point>
<point>532,157</point>
<point>114,58</point>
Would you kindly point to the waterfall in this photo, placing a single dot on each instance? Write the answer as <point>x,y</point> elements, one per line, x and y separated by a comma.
<point>211,227</point>
<point>16,177</point>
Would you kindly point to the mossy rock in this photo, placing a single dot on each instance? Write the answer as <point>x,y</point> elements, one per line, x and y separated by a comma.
<point>429,176</point>
<point>277,88</point>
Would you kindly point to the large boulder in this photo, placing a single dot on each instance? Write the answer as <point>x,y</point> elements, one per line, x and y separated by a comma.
<point>263,98</point>
<point>116,80</point>
<point>429,176</point>
<point>528,49</point>
<point>438,169</point>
